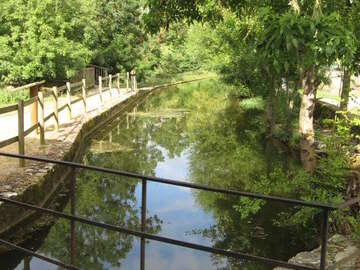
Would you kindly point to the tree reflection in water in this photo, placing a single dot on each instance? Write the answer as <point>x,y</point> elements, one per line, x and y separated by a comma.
<point>224,145</point>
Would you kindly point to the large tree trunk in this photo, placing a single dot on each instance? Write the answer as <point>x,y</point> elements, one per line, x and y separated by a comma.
<point>269,121</point>
<point>345,91</point>
<point>288,109</point>
<point>269,114</point>
<point>306,121</point>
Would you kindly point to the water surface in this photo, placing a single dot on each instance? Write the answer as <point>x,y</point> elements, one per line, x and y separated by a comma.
<point>192,133</point>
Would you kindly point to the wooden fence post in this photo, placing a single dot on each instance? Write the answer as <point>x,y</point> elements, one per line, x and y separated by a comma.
<point>34,90</point>
<point>84,94</point>
<point>118,83</point>
<point>110,85</point>
<point>56,108</point>
<point>100,91</point>
<point>42,121</point>
<point>68,94</point>
<point>21,137</point>
<point>133,83</point>
<point>127,81</point>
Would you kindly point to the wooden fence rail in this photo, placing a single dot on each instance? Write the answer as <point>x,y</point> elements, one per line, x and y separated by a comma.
<point>30,85</point>
<point>69,89</point>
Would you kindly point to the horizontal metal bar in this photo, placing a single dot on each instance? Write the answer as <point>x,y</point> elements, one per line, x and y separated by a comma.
<point>176,183</point>
<point>349,203</point>
<point>30,101</point>
<point>31,129</point>
<point>42,257</point>
<point>237,255</point>
<point>27,86</point>
<point>9,141</point>
<point>8,109</point>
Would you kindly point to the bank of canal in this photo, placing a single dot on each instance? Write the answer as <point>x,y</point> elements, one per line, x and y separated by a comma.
<point>191,133</point>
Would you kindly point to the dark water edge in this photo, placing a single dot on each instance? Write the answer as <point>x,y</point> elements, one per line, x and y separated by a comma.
<point>160,137</point>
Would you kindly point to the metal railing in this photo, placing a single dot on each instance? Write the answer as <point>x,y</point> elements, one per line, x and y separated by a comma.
<point>325,208</point>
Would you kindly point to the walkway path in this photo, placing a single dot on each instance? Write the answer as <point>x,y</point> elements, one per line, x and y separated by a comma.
<point>9,124</point>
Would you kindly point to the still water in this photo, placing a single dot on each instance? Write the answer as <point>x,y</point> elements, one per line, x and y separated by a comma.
<point>192,133</point>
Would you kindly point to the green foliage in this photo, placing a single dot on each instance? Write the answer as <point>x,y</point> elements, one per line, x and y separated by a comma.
<point>186,48</point>
<point>345,124</point>
<point>119,37</point>
<point>321,40</point>
<point>8,97</point>
<point>52,40</point>
<point>256,103</point>
<point>42,39</point>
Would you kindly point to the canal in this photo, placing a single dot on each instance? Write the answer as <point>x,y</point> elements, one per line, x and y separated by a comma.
<point>194,133</point>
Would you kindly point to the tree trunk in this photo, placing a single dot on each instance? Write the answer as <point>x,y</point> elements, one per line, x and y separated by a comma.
<point>345,91</point>
<point>288,109</point>
<point>269,114</point>
<point>306,121</point>
<point>269,120</point>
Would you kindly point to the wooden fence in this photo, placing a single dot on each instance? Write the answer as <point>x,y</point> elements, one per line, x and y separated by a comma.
<point>107,83</point>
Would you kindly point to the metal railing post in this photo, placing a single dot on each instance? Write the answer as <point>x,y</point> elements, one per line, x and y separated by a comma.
<point>143,223</point>
<point>72,222</point>
<point>27,263</point>
<point>324,238</point>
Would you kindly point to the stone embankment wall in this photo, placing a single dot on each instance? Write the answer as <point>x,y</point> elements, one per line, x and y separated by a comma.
<point>343,254</point>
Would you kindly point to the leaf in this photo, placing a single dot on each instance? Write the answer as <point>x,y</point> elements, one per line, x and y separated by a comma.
<point>286,65</point>
<point>295,43</point>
